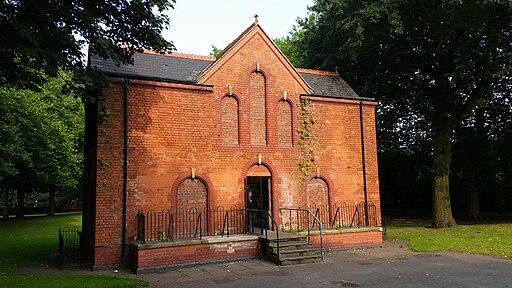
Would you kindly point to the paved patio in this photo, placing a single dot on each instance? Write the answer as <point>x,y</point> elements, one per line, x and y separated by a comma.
<point>394,265</point>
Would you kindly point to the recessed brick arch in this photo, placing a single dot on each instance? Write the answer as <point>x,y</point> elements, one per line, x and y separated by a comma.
<point>173,196</point>
<point>238,96</point>
<point>270,105</point>
<point>330,192</point>
<point>285,125</point>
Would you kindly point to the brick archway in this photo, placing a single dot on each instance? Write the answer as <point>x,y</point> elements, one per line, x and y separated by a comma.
<point>173,196</point>
<point>273,193</point>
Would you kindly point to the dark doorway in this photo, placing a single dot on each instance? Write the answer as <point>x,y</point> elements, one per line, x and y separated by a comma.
<point>257,197</point>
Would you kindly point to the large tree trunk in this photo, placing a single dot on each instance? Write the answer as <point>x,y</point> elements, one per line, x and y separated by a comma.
<point>441,207</point>
<point>443,126</point>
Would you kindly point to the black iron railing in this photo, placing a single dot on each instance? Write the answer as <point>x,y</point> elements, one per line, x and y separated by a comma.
<point>338,216</point>
<point>309,222</point>
<point>69,240</point>
<point>260,222</point>
<point>167,225</point>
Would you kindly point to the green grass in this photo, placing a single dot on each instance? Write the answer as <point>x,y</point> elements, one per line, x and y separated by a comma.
<point>486,239</point>
<point>30,241</point>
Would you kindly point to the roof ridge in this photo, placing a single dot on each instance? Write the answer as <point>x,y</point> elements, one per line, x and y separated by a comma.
<point>181,55</point>
<point>232,43</point>
<point>318,72</point>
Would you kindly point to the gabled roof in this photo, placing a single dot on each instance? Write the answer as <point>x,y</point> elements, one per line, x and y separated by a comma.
<point>328,84</point>
<point>239,42</point>
<point>178,68</point>
<point>187,68</point>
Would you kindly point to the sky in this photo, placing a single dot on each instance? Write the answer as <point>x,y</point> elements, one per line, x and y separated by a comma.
<point>196,25</point>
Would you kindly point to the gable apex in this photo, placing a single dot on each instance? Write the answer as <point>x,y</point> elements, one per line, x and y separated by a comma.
<point>232,48</point>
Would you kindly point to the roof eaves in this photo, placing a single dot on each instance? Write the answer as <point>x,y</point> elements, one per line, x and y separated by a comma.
<point>153,78</point>
<point>341,97</point>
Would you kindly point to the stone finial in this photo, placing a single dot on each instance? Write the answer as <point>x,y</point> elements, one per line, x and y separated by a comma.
<point>256,18</point>
<point>337,70</point>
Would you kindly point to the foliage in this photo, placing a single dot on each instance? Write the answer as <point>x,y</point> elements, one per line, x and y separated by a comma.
<point>429,63</point>
<point>40,38</point>
<point>307,141</point>
<point>41,141</point>
<point>29,241</point>
<point>485,239</point>
<point>215,51</point>
<point>291,43</point>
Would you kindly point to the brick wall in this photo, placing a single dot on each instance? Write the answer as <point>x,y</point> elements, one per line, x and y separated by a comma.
<point>174,128</point>
<point>348,240</point>
<point>196,253</point>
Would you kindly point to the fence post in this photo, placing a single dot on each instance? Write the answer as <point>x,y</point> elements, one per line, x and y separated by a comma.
<point>141,227</point>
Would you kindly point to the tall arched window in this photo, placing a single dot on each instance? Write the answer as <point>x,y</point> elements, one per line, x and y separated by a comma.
<point>284,124</point>
<point>230,124</point>
<point>257,116</point>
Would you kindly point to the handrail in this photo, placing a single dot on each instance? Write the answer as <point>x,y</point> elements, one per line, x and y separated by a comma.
<point>274,223</point>
<point>309,233</point>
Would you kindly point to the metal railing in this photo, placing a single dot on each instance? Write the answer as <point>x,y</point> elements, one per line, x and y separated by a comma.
<point>260,219</point>
<point>180,224</point>
<point>308,219</point>
<point>343,215</point>
<point>69,240</point>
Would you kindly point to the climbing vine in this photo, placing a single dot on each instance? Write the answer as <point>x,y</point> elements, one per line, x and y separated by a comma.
<point>307,141</point>
<point>104,113</point>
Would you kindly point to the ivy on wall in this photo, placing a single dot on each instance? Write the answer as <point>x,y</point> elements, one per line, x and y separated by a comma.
<point>307,141</point>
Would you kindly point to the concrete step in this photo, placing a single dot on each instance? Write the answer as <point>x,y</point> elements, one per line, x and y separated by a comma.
<point>289,245</point>
<point>297,253</point>
<point>299,260</point>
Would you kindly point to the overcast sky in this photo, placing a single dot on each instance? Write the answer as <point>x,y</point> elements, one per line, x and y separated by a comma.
<point>196,25</point>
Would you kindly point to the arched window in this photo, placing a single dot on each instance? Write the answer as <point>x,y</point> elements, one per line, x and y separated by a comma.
<point>258,116</point>
<point>284,124</point>
<point>230,121</point>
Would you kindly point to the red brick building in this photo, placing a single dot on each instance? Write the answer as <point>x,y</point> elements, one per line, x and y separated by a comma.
<point>189,141</point>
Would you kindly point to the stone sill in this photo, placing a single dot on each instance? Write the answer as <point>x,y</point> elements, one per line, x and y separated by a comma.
<point>205,240</point>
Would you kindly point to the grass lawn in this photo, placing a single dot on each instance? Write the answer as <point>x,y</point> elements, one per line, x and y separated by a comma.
<point>485,239</point>
<point>29,241</point>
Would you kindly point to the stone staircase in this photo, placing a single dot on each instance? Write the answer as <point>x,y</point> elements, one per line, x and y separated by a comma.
<point>293,249</point>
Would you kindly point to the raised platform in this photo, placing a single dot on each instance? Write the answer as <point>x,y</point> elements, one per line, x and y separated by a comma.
<point>167,254</point>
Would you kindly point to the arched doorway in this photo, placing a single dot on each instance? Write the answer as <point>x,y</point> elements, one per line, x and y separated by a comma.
<point>258,194</point>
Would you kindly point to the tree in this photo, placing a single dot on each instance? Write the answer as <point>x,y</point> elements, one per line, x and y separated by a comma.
<point>440,59</point>
<point>215,51</point>
<point>41,141</point>
<point>42,37</point>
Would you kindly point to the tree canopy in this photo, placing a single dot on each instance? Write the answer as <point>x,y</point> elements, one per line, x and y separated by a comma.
<point>429,63</point>
<point>41,140</point>
<point>42,37</point>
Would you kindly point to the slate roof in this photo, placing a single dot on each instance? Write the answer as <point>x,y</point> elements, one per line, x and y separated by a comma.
<point>329,85</point>
<point>153,66</point>
<point>185,70</point>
